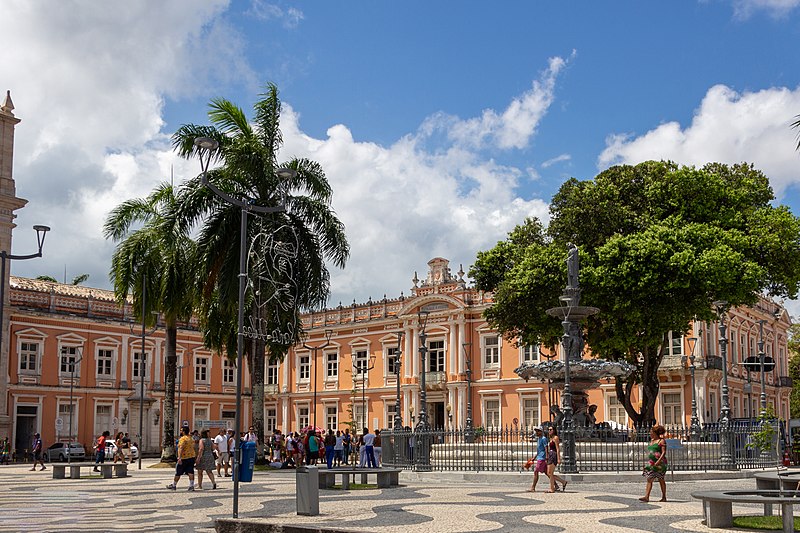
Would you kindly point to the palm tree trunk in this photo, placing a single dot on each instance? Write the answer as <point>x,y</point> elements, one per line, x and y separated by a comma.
<point>257,395</point>
<point>170,371</point>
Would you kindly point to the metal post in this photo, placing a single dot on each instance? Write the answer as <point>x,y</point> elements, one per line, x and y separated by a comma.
<point>142,367</point>
<point>726,454</point>
<point>694,426</point>
<point>423,351</point>
<point>71,406</point>
<point>568,463</point>
<point>467,346</point>
<point>237,425</point>
<point>762,361</point>
<point>398,420</point>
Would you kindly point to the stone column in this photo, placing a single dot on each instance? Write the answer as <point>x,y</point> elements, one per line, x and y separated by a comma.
<point>8,204</point>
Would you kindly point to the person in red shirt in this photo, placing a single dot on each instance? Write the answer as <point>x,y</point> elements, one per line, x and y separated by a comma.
<point>100,450</point>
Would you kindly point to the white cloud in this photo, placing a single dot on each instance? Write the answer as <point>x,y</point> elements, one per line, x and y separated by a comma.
<point>727,127</point>
<point>512,128</point>
<point>777,8</point>
<point>558,159</point>
<point>90,83</point>
<point>290,18</point>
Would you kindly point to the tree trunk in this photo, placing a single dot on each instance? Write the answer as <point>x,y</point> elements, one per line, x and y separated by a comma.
<point>646,416</point>
<point>257,395</point>
<point>170,371</point>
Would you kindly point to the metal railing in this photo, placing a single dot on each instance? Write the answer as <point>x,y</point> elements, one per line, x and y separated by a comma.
<point>601,450</point>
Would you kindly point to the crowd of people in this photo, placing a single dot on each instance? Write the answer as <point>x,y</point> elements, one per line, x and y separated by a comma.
<point>312,446</point>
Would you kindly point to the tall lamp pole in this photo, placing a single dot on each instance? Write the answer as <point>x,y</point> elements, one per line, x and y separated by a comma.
<point>328,334</point>
<point>762,364</point>
<point>422,318</point>
<point>398,419</point>
<point>467,347</point>
<point>206,146</point>
<point>71,405</point>
<point>364,367</point>
<point>726,455</point>
<point>694,427</point>
<point>41,233</point>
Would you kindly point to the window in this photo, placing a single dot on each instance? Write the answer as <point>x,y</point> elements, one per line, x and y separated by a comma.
<point>436,356</point>
<point>391,360</point>
<point>28,356</point>
<point>304,368</point>
<point>491,409</point>
<point>331,417</point>
<point>358,416</point>
<point>359,359</point>
<point>331,365</point>
<point>736,412</point>
<point>302,417</point>
<point>390,411</point>
<point>530,353</point>
<point>105,363</point>
<point>616,411</point>
<point>270,419</point>
<point>228,371</point>
<point>69,358</point>
<point>272,373</point>
<point>139,365</point>
<point>102,418</point>
<point>732,347</point>
<point>743,347</point>
<point>64,411</point>
<point>712,406</point>
<point>710,340</point>
<point>674,344</point>
<point>530,412</point>
<point>491,351</point>
<point>673,412</point>
<point>201,369</point>
<point>200,414</point>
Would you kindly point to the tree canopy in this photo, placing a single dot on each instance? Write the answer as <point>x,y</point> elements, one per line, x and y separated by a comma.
<point>658,243</point>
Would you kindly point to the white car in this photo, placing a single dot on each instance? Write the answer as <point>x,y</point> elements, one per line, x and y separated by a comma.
<point>111,448</point>
<point>58,452</point>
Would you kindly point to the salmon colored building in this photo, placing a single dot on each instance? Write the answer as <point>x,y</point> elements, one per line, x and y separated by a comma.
<point>73,363</point>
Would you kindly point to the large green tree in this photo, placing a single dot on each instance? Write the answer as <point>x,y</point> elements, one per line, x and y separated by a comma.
<point>658,243</point>
<point>155,251</point>
<point>307,230</point>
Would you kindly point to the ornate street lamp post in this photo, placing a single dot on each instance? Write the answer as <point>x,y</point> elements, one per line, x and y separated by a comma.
<point>467,346</point>
<point>328,334</point>
<point>207,146</point>
<point>422,318</point>
<point>694,426</point>
<point>398,419</point>
<point>762,363</point>
<point>726,454</point>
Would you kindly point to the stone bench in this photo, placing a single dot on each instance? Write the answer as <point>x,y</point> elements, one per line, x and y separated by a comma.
<point>387,477</point>
<point>106,469</point>
<point>718,505</point>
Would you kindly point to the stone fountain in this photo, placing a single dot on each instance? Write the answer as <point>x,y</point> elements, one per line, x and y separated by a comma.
<point>574,375</point>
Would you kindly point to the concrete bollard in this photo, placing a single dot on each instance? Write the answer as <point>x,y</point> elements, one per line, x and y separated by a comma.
<point>307,490</point>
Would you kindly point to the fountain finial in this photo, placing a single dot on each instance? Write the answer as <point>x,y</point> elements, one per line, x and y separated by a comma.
<point>573,267</point>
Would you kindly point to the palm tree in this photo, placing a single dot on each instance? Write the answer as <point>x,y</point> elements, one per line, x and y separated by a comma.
<point>77,280</point>
<point>159,256</point>
<point>248,169</point>
<point>796,125</point>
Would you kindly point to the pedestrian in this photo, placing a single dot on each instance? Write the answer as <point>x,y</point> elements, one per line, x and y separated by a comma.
<point>312,447</point>
<point>251,435</point>
<point>118,447</point>
<point>196,441</point>
<point>330,444</point>
<point>553,459</point>
<point>347,440</point>
<point>36,451</point>
<point>368,439</point>
<point>5,451</point>
<point>231,452</point>
<point>205,459</point>
<point>221,442</point>
<point>377,449</point>
<point>540,461</point>
<point>186,458</point>
<point>338,449</point>
<point>100,449</point>
<point>656,466</point>
<point>126,448</point>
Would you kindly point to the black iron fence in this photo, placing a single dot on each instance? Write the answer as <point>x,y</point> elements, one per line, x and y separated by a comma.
<point>599,450</point>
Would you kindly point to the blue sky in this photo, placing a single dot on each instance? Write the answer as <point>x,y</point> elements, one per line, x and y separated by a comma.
<point>440,124</point>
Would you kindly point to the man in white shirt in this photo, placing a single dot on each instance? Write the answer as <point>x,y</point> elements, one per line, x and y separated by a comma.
<point>222,452</point>
<point>369,450</point>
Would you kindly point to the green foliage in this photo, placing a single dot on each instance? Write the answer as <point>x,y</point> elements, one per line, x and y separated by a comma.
<point>764,438</point>
<point>51,279</point>
<point>658,243</point>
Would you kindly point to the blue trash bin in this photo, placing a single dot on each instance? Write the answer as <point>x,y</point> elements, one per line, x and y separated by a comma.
<point>248,461</point>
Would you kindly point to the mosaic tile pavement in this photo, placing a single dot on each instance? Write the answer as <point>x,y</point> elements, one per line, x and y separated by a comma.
<point>33,501</point>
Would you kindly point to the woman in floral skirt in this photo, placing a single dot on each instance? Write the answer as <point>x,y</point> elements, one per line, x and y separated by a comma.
<point>656,466</point>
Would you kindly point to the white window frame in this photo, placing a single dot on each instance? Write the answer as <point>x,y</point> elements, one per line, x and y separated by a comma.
<point>98,427</point>
<point>107,355</point>
<point>204,410</point>
<point>487,413</point>
<point>272,373</point>
<point>530,353</point>
<point>437,355</point>
<point>359,418</point>
<point>26,354</point>
<point>270,418</point>
<point>672,411</point>
<point>331,366</point>
<point>304,367</point>
<point>615,410</point>
<point>390,356</point>
<point>331,420</point>
<point>303,416</point>
<point>534,420</point>
<point>202,369</point>
<point>136,364</point>
<point>65,353</point>
<point>390,411</point>
<point>671,346</point>
<point>228,371</point>
<point>490,355</point>
<point>63,413</point>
